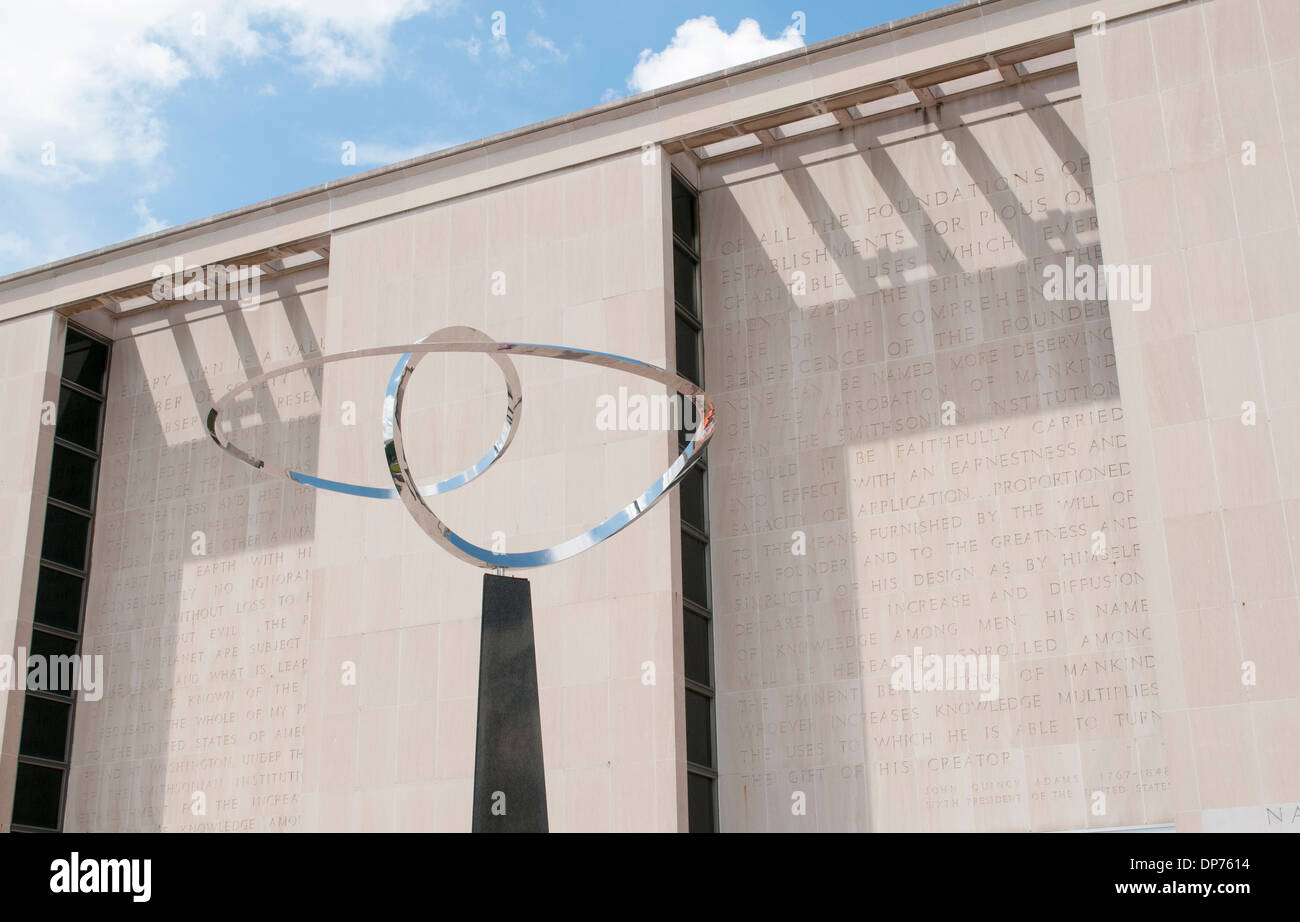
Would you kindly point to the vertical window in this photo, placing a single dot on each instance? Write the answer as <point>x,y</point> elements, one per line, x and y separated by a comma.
<point>697,606</point>
<point>45,740</point>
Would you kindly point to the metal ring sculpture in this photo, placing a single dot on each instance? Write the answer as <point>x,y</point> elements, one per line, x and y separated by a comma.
<point>467,339</point>
<point>514,397</point>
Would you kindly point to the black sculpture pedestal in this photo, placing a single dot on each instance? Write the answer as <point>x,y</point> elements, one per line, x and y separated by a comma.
<point>509,779</point>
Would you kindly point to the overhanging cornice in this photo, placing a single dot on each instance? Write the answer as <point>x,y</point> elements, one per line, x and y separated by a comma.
<point>837,77</point>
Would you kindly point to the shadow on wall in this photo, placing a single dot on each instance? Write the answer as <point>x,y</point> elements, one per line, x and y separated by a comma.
<point>199,587</point>
<point>917,450</point>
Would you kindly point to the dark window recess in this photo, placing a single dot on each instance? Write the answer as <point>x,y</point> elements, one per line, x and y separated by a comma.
<point>697,623</point>
<point>685,276</point>
<point>45,728</point>
<point>688,356</point>
<point>37,796</point>
<point>57,650</point>
<point>46,644</point>
<point>67,537</point>
<point>699,728</point>
<point>695,509</point>
<point>72,477</point>
<point>685,220</point>
<point>698,657</point>
<point>699,802</point>
<point>695,570</point>
<point>58,599</point>
<point>84,361</point>
<point>78,419</point>
<point>45,738</point>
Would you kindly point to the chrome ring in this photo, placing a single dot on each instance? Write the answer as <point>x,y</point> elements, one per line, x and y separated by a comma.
<point>395,449</point>
<point>435,528</point>
<point>514,407</point>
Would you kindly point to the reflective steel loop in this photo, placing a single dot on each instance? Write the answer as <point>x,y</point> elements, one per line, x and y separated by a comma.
<point>468,340</point>
<point>469,552</point>
<point>514,407</point>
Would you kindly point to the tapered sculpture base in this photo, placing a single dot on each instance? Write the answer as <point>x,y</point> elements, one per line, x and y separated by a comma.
<point>509,780</point>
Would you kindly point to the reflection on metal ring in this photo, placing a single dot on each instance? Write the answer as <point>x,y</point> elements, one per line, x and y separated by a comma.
<point>514,407</point>
<point>435,528</point>
<point>469,340</point>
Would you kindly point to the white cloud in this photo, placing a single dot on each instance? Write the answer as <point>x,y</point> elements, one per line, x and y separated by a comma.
<point>380,153</point>
<point>472,46</point>
<point>268,90</point>
<point>148,223</point>
<point>541,41</point>
<point>700,46</point>
<point>91,77</point>
<point>610,94</point>
<point>510,68</point>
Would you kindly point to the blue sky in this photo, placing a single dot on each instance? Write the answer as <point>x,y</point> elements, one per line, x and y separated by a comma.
<point>120,117</point>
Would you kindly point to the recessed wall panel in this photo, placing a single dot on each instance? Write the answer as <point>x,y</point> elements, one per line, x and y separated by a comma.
<point>922,461</point>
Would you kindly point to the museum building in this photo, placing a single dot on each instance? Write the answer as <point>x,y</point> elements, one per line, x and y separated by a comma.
<point>998,528</point>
